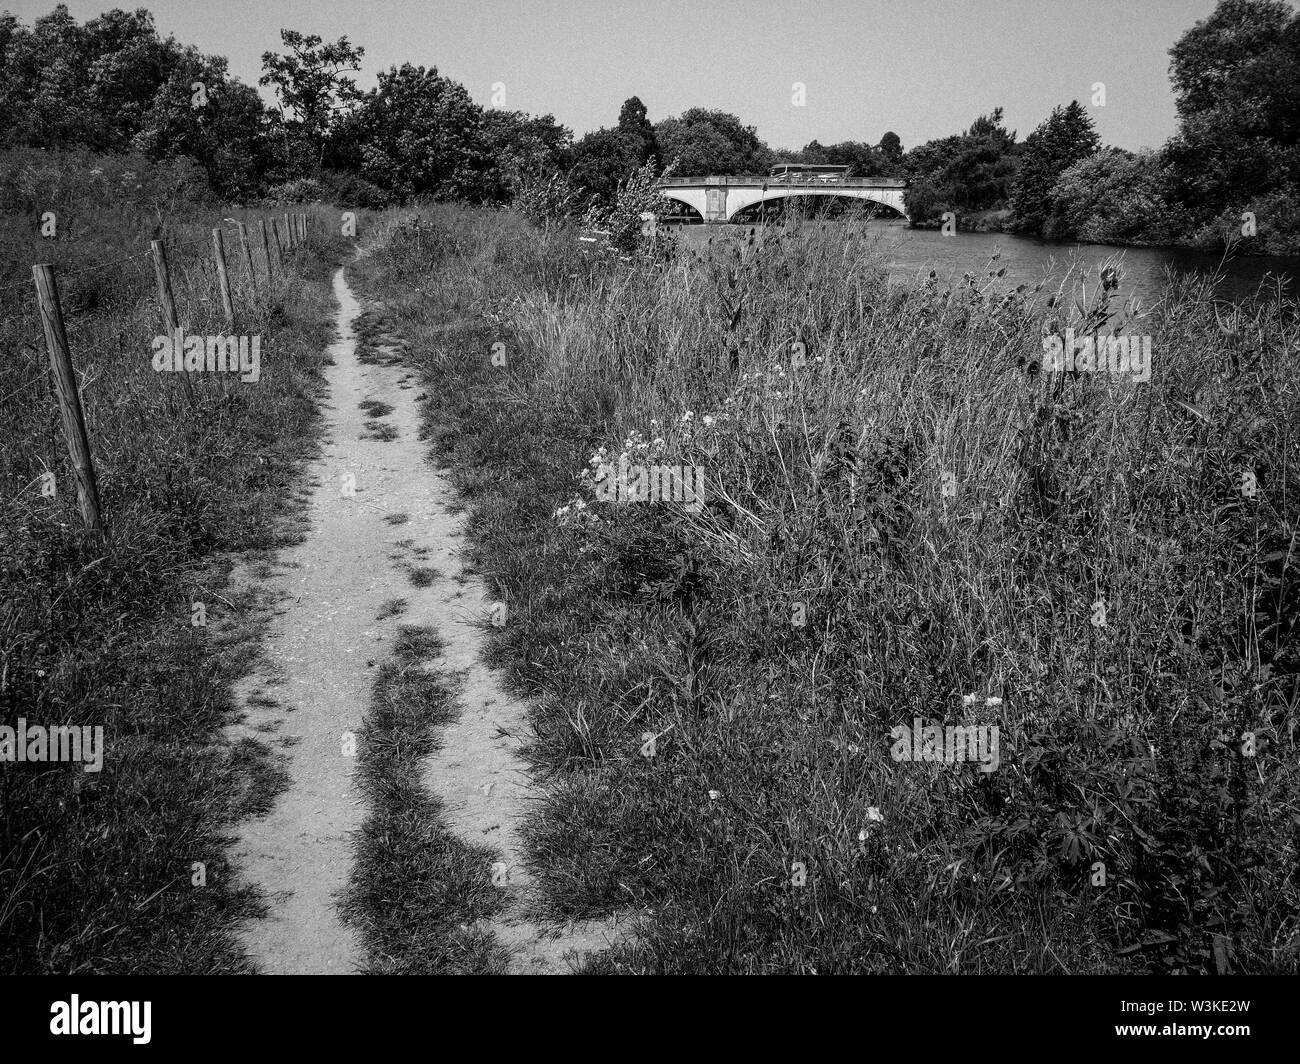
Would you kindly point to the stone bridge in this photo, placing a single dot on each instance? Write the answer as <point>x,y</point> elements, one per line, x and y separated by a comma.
<point>718,200</point>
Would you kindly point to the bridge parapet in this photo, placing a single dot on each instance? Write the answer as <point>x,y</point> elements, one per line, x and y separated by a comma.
<point>756,180</point>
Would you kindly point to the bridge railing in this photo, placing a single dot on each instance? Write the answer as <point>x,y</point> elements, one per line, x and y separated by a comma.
<point>796,180</point>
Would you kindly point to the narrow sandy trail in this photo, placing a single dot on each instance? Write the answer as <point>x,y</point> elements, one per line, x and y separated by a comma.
<point>312,686</point>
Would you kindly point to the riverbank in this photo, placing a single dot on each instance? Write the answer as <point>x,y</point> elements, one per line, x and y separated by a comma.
<point>1224,238</point>
<point>906,524</point>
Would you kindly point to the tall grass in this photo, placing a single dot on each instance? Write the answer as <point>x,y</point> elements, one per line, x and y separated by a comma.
<point>944,518</point>
<point>125,869</point>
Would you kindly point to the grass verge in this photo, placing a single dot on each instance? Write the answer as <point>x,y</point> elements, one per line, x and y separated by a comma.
<point>125,870</point>
<point>907,519</point>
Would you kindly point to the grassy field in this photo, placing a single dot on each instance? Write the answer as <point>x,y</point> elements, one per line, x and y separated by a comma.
<point>124,870</point>
<point>905,518</point>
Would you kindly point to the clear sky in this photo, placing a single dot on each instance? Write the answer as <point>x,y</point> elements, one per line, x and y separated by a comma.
<point>923,68</point>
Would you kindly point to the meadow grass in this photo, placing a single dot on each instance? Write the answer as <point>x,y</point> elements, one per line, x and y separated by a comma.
<point>126,870</point>
<point>909,520</point>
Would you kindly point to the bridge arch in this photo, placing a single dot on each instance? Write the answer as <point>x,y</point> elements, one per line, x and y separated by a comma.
<point>685,200</point>
<point>893,204</point>
<point>742,199</point>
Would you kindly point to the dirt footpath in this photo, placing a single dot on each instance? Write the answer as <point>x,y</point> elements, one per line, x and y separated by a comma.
<point>311,691</point>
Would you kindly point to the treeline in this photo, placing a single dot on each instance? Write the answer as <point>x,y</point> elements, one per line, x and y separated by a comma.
<point>114,85</point>
<point>1233,165</point>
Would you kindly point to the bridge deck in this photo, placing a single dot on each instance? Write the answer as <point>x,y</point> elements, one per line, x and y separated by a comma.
<point>800,181</point>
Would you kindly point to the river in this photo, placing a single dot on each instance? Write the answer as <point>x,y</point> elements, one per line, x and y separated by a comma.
<point>913,253</point>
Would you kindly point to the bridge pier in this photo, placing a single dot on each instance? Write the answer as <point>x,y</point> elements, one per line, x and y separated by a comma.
<point>715,200</point>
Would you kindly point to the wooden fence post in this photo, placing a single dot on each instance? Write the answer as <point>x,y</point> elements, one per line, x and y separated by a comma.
<point>248,255</point>
<point>163,276</point>
<point>279,250</point>
<point>223,278</point>
<point>266,250</point>
<point>288,231</point>
<point>65,383</point>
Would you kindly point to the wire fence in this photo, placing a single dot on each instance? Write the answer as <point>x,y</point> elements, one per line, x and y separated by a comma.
<point>206,279</point>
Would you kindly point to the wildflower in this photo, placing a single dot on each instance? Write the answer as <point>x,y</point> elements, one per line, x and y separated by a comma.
<point>709,421</point>
<point>714,795</point>
<point>969,700</point>
<point>687,416</point>
<point>874,814</point>
<point>994,701</point>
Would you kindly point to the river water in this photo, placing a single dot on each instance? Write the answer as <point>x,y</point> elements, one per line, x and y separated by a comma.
<point>913,253</point>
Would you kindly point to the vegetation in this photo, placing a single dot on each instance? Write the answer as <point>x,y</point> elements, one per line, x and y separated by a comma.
<point>964,174</point>
<point>909,519</point>
<point>1230,175</point>
<point>419,895</point>
<point>906,517</point>
<point>126,869</point>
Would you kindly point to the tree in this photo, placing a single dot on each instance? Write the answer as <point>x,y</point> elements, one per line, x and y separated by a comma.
<point>712,142</point>
<point>114,85</point>
<point>862,159</point>
<point>311,80</point>
<point>891,146</point>
<point>633,121</point>
<point>63,84</point>
<point>973,171</point>
<point>1113,196</point>
<point>1064,138</point>
<point>989,127</point>
<point>523,149</point>
<point>1207,61</point>
<point>1236,76</point>
<point>602,160</point>
<point>226,135</point>
<point>419,134</point>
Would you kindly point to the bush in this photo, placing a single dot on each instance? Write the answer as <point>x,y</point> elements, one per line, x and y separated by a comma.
<point>636,196</point>
<point>1111,197</point>
<point>1277,225</point>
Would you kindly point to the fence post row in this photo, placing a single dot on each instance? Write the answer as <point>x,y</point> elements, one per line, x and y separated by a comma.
<point>65,383</point>
<point>65,377</point>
